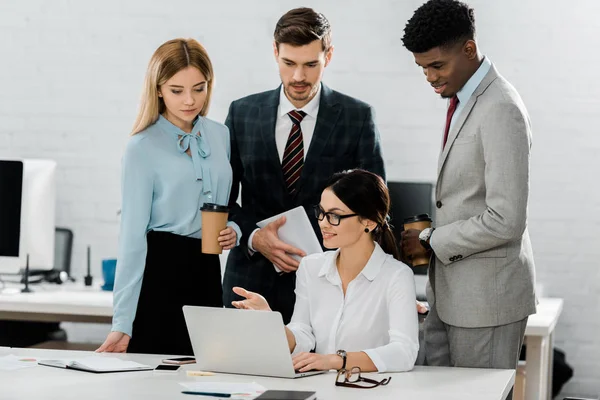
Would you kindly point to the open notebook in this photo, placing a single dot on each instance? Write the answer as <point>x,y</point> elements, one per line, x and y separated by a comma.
<point>98,364</point>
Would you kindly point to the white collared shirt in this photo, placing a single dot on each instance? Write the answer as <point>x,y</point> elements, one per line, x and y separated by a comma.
<point>283,125</point>
<point>377,316</point>
<point>465,93</point>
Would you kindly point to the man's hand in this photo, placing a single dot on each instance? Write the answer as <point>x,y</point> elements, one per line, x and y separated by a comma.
<point>410,244</point>
<point>267,242</point>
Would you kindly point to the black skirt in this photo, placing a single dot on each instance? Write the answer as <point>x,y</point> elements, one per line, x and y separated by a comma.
<point>177,273</point>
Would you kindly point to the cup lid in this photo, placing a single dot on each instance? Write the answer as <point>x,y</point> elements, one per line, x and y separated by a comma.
<point>417,218</point>
<point>214,207</point>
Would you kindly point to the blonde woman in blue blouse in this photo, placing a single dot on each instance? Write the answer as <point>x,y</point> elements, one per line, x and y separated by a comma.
<point>175,161</point>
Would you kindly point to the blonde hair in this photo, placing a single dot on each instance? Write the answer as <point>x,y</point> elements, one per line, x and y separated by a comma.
<point>170,58</point>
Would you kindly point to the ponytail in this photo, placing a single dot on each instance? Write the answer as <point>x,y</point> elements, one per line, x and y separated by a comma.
<point>386,240</point>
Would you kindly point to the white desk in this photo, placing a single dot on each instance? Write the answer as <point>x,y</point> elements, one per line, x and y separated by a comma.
<point>539,338</point>
<point>80,304</point>
<point>423,383</point>
<point>57,303</point>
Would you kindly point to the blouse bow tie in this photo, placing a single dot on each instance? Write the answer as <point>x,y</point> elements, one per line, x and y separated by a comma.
<point>198,147</point>
<point>199,150</point>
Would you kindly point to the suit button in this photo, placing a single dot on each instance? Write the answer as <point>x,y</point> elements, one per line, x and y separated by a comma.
<point>458,257</point>
<point>452,258</point>
<point>438,204</point>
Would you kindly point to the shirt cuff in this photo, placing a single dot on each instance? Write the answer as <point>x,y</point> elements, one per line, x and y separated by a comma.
<point>301,340</point>
<point>250,248</point>
<point>237,230</point>
<point>377,360</point>
<point>124,327</point>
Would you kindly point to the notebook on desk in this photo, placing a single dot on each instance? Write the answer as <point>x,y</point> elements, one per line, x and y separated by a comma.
<point>287,395</point>
<point>98,364</point>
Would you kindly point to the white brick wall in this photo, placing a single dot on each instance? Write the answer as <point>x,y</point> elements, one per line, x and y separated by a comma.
<point>71,74</point>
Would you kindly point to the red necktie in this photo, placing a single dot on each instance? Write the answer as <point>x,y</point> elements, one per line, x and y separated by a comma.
<point>293,155</point>
<point>451,109</point>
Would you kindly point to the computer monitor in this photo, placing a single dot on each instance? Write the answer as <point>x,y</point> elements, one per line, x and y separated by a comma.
<point>11,188</point>
<point>409,199</point>
<point>27,214</point>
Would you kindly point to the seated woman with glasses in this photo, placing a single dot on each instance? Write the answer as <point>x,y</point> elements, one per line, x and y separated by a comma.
<point>354,306</point>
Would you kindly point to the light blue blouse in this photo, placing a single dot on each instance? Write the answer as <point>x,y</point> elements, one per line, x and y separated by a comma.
<point>163,189</point>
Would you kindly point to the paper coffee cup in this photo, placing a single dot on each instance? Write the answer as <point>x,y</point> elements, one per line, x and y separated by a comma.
<point>214,220</point>
<point>419,222</point>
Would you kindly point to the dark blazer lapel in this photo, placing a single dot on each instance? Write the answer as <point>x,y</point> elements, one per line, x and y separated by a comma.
<point>487,80</point>
<point>267,119</point>
<point>329,112</point>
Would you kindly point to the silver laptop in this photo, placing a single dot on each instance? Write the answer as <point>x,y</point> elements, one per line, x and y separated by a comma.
<point>240,342</point>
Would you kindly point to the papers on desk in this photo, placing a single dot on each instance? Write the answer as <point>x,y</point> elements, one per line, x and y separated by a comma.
<point>12,362</point>
<point>97,364</point>
<point>235,390</point>
<point>297,231</point>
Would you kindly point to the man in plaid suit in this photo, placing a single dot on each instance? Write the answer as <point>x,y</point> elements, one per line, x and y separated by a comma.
<point>285,145</point>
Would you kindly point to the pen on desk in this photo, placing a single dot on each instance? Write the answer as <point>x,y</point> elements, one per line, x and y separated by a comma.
<point>199,373</point>
<point>207,393</point>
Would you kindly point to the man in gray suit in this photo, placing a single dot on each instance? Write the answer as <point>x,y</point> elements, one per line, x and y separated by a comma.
<point>481,274</point>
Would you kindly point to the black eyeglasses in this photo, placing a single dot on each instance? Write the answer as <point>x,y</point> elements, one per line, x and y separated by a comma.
<point>333,218</point>
<point>351,378</point>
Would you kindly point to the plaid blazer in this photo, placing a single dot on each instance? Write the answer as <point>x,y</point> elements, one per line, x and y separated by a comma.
<point>345,137</point>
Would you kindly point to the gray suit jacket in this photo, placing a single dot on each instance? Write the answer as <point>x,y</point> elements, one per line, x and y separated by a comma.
<point>483,272</point>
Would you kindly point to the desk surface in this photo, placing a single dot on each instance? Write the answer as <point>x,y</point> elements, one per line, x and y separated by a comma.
<point>74,302</point>
<point>51,302</point>
<point>543,322</point>
<point>423,383</point>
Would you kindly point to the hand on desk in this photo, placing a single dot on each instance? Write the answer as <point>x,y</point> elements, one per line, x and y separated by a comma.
<point>312,361</point>
<point>228,238</point>
<point>254,301</point>
<point>267,242</point>
<point>116,342</point>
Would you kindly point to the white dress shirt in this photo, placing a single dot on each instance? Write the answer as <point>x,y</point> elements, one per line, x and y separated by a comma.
<point>283,127</point>
<point>377,316</point>
<point>465,93</point>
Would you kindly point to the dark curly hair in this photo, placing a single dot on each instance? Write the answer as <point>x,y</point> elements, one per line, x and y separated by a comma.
<point>439,23</point>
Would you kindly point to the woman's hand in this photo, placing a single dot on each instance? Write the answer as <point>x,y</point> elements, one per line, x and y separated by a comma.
<point>254,301</point>
<point>116,342</point>
<point>228,238</point>
<point>311,361</point>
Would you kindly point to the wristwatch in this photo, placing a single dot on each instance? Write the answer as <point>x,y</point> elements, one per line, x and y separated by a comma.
<point>342,353</point>
<point>424,237</point>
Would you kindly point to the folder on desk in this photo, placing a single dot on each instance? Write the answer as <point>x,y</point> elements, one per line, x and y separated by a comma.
<point>98,364</point>
<point>287,395</point>
<point>297,231</point>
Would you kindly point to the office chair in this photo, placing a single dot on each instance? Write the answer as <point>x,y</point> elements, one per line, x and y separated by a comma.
<point>63,249</point>
<point>29,333</point>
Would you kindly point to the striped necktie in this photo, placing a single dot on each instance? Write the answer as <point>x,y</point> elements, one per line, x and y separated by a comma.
<point>293,155</point>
